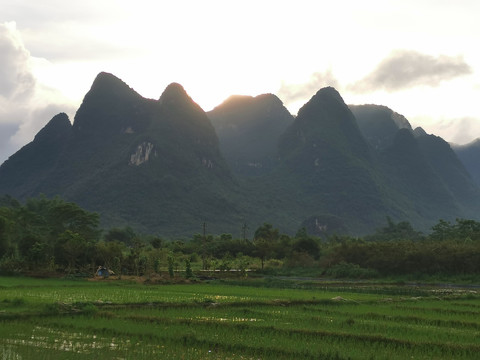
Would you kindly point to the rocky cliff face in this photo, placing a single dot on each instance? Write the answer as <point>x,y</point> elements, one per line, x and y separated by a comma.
<point>142,153</point>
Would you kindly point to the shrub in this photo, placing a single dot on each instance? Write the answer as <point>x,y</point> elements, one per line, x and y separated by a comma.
<point>274,264</point>
<point>300,259</point>
<point>352,271</point>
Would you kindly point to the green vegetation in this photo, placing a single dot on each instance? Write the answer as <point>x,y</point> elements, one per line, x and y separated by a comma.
<point>51,237</point>
<point>220,297</point>
<point>162,156</point>
<point>51,318</point>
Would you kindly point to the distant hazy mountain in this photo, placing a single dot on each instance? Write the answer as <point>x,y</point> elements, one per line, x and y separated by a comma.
<point>249,129</point>
<point>165,166</point>
<point>422,169</point>
<point>451,171</point>
<point>469,155</point>
<point>411,175</point>
<point>379,124</point>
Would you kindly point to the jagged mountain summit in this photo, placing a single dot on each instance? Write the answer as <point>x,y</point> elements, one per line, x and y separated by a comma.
<point>165,166</point>
<point>137,161</point>
<point>324,153</point>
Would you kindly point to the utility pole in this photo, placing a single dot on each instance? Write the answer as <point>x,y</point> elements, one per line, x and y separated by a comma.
<point>204,245</point>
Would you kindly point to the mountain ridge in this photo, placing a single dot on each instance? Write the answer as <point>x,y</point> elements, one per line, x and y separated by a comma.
<point>166,166</point>
<point>137,161</point>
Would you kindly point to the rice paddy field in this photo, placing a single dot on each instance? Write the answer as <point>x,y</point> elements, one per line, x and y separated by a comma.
<point>66,319</point>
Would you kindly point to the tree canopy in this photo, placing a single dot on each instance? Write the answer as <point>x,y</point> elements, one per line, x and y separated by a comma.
<point>57,236</point>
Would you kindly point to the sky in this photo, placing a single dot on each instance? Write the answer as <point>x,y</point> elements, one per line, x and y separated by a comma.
<point>420,58</point>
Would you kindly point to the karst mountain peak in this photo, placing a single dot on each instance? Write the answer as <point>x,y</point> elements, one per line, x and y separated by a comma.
<point>165,166</point>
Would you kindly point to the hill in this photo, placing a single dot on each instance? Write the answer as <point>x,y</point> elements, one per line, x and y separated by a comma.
<point>152,164</point>
<point>424,174</point>
<point>165,166</point>
<point>249,129</point>
<point>330,165</point>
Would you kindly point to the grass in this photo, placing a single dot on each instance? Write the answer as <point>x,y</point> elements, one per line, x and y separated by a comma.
<point>58,319</point>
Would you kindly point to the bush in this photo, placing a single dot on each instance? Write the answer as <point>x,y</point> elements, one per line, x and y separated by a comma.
<point>352,271</point>
<point>300,259</point>
<point>273,264</point>
<point>10,266</point>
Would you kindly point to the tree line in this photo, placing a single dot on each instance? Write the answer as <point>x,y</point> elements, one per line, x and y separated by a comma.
<point>52,236</point>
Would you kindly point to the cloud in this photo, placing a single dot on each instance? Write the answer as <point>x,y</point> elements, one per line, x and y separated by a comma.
<point>16,79</point>
<point>459,131</point>
<point>404,69</point>
<point>290,93</point>
<point>84,30</point>
<point>25,105</point>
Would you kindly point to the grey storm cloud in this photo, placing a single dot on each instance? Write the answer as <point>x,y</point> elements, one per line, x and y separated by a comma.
<point>290,93</point>
<point>25,105</point>
<point>404,69</point>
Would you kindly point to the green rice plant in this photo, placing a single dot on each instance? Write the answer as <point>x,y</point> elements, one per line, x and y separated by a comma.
<point>84,320</point>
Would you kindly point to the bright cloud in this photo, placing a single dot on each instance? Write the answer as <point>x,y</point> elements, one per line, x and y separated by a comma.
<point>25,105</point>
<point>16,80</point>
